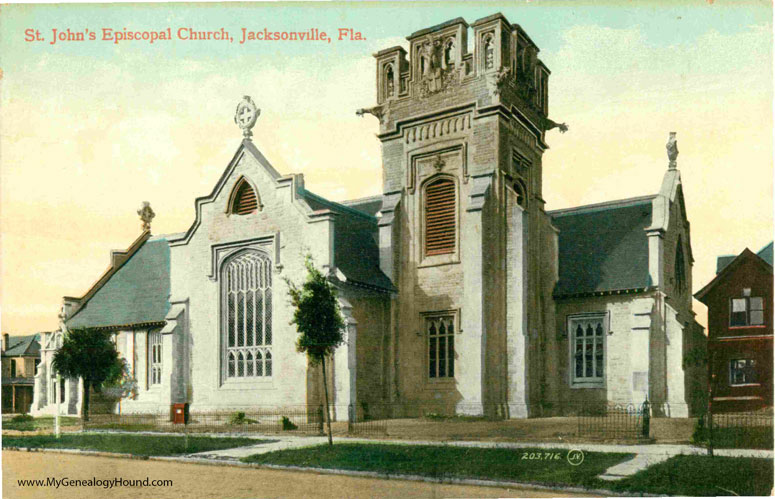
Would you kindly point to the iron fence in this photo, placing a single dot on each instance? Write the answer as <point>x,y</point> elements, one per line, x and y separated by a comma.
<point>287,419</point>
<point>605,421</point>
<point>614,421</point>
<point>738,430</point>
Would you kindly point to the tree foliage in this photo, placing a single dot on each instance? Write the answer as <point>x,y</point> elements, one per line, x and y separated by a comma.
<point>319,321</point>
<point>91,355</point>
<point>316,314</point>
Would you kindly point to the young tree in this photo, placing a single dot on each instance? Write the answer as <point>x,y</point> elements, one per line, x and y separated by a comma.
<point>91,355</point>
<point>318,320</point>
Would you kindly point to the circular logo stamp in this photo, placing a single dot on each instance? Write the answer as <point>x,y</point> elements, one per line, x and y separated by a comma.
<point>575,457</point>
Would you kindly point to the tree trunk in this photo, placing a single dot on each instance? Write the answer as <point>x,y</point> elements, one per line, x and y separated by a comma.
<point>325,390</point>
<point>85,408</point>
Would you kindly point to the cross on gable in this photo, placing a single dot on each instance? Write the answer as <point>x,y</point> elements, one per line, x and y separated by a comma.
<point>246,116</point>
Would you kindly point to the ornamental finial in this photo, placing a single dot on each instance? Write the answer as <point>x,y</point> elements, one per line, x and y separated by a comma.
<point>146,215</point>
<point>672,150</point>
<point>246,116</point>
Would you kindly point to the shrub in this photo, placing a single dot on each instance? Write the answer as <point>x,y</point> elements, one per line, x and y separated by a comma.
<point>288,424</point>
<point>239,418</point>
<point>22,418</point>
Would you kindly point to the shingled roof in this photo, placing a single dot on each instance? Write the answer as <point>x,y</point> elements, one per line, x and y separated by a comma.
<point>603,247</point>
<point>136,293</point>
<point>765,254</point>
<point>23,346</point>
<point>356,252</point>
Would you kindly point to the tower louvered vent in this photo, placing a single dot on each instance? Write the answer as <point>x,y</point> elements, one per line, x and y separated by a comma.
<point>440,217</point>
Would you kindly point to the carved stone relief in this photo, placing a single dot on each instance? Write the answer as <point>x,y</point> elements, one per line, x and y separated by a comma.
<point>450,160</point>
<point>436,129</point>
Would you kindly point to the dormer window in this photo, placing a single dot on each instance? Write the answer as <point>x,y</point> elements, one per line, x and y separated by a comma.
<point>244,201</point>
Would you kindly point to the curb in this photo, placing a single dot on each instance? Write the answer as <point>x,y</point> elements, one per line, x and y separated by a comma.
<point>336,471</point>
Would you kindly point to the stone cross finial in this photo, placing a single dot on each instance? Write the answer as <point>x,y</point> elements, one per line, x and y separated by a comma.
<point>146,215</point>
<point>246,116</point>
<point>672,150</point>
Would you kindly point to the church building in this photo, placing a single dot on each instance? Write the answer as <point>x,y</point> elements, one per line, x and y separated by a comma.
<point>461,292</point>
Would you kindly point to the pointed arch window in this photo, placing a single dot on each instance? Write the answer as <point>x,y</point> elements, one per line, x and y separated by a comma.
<point>440,217</point>
<point>679,268</point>
<point>245,200</point>
<point>246,283</point>
<point>389,81</point>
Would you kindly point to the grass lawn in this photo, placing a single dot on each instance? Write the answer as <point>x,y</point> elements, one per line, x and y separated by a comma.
<point>752,437</point>
<point>140,445</point>
<point>523,465</point>
<point>42,423</point>
<point>702,476</point>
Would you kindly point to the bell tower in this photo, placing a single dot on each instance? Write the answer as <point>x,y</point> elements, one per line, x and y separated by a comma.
<point>462,232</point>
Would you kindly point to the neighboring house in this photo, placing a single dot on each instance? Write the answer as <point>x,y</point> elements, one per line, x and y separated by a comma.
<point>20,360</point>
<point>460,291</point>
<point>739,301</point>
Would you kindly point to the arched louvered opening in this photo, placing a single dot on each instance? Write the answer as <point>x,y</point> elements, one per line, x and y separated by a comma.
<point>245,200</point>
<point>440,217</point>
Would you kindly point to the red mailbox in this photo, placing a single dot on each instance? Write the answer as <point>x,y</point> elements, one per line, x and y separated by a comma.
<point>180,413</point>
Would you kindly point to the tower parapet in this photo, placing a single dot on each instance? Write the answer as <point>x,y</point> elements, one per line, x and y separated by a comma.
<point>503,68</point>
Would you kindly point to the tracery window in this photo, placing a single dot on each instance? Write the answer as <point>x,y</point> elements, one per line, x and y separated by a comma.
<point>440,217</point>
<point>247,315</point>
<point>440,331</point>
<point>587,334</point>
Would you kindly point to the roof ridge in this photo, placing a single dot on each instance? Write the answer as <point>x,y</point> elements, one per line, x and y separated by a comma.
<point>361,200</point>
<point>617,203</point>
<point>337,206</point>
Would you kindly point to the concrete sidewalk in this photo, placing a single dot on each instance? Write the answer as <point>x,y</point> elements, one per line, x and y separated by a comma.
<point>645,455</point>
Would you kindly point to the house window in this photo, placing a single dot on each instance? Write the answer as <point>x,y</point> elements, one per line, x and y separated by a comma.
<point>746,311</point>
<point>587,334</point>
<point>247,316</point>
<point>13,368</point>
<point>154,358</point>
<point>37,363</point>
<point>245,200</point>
<point>440,217</point>
<point>441,346</point>
<point>742,372</point>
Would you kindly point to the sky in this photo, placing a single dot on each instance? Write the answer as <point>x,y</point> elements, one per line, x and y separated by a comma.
<point>89,130</point>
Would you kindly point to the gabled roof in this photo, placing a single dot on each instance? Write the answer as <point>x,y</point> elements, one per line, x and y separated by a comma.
<point>765,254</point>
<point>603,247</point>
<point>23,346</point>
<point>736,262</point>
<point>135,293</point>
<point>356,253</point>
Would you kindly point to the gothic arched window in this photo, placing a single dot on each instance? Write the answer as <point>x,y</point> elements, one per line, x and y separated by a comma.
<point>246,285</point>
<point>244,199</point>
<point>440,216</point>
<point>679,268</point>
<point>389,83</point>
